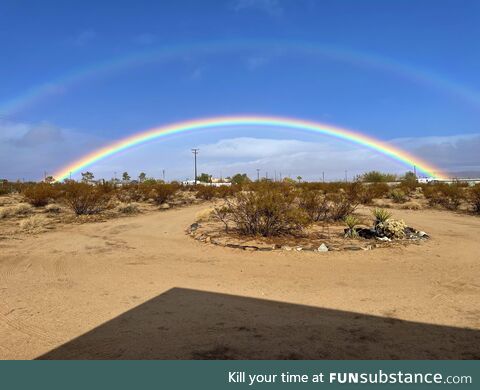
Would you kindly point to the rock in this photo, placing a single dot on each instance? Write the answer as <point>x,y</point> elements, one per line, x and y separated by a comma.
<point>250,248</point>
<point>298,248</point>
<point>286,248</point>
<point>194,226</point>
<point>208,239</point>
<point>164,206</point>
<point>423,234</point>
<point>366,233</point>
<point>352,248</point>
<point>383,239</point>
<point>323,248</point>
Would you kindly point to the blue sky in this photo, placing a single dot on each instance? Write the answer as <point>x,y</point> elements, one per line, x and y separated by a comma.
<point>190,59</point>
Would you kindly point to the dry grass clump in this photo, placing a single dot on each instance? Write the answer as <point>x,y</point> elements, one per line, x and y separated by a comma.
<point>34,224</point>
<point>128,208</point>
<point>205,192</point>
<point>412,206</point>
<point>53,208</point>
<point>20,209</point>
<point>205,215</point>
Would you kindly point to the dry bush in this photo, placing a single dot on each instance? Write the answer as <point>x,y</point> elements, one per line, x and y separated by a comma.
<point>315,204</point>
<point>40,194</point>
<point>205,192</point>
<point>474,198</point>
<point>269,211</point>
<point>162,193</point>
<point>369,192</point>
<point>449,196</point>
<point>85,199</point>
<point>21,209</point>
<point>341,205</point>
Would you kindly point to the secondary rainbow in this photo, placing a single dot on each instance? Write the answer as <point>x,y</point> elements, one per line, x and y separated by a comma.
<point>249,120</point>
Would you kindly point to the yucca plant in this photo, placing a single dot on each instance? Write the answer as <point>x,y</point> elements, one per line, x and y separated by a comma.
<point>381,215</point>
<point>351,221</point>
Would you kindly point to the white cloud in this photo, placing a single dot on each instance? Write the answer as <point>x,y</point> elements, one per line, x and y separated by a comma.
<point>27,150</point>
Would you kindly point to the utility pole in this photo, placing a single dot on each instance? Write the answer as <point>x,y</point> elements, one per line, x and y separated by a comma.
<point>258,174</point>
<point>195,152</point>
<point>415,170</point>
<point>163,174</point>
<point>323,176</point>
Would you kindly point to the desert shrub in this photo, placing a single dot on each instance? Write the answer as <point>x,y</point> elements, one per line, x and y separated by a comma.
<point>398,196</point>
<point>205,192</point>
<point>373,191</point>
<point>39,194</point>
<point>128,208</point>
<point>269,211</point>
<point>21,209</point>
<point>381,215</point>
<point>84,199</point>
<point>315,204</point>
<point>162,193</point>
<point>474,198</point>
<point>377,177</point>
<point>449,196</point>
<point>341,205</point>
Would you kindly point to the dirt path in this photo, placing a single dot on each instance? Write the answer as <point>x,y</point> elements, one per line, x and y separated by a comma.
<point>138,287</point>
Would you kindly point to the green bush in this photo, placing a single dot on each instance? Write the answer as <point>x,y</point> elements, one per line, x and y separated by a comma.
<point>398,196</point>
<point>205,192</point>
<point>315,205</point>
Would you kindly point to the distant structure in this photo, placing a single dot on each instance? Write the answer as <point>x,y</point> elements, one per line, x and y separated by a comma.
<point>214,182</point>
<point>469,181</point>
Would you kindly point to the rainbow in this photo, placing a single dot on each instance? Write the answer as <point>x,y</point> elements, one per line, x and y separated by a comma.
<point>247,120</point>
<point>365,59</point>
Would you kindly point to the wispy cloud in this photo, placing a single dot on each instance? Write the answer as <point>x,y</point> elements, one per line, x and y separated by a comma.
<point>84,37</point>
<point>271,7</point>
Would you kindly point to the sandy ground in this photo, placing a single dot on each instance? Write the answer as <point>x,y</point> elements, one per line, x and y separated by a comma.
<point>139,288</point>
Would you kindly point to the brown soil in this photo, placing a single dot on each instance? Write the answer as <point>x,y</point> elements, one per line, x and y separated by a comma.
<point>140,288</point>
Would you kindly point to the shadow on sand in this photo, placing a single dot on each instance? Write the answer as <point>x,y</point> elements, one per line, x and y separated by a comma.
<point>191,324</point>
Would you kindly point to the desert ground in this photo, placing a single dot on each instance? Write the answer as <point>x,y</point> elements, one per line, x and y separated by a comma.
<point>140,288</point>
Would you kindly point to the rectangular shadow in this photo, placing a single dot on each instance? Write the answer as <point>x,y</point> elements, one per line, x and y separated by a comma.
<point>192,324</point>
